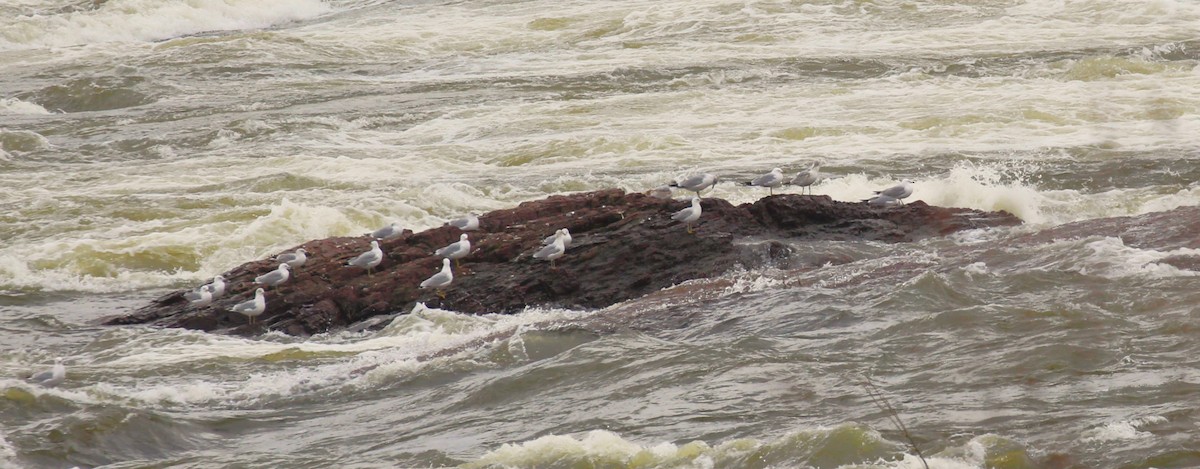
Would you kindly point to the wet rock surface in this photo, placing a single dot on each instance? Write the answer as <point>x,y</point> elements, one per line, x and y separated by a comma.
<point>624,246</point>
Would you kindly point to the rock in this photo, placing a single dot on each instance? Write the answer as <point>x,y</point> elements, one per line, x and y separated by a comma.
<point>625,246</point>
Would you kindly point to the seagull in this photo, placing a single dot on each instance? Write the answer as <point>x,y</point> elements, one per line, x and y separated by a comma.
<point>216,288</point>
<point>566,237</point>
<point>808,177</point>
<point>206,289</point>
<point>553,251</point>
<point>52,377</point>
<point>440,279</point>
<point>275,277</point>
<point>660,192</point>
<point>696,182</point>
<point>689,214</point>
<point>455,251</point>
<point>883,201</point>
<point>388,232</point>
<point>368,260</point>
<point>253,307</point>
<point>899,191</point>
<point>467,223</point>
<point>770,180</point>
<point>296,258</point>
<point>204,297</point>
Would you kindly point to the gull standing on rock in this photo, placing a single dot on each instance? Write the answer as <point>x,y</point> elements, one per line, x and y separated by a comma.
<point>216,288</point>
<point>552,251</point>
<point>252,307</point>
<point>203,298</point>
<point>566,237</point>
<point>770,180</point>
<point>368,260</point>
<point>275,277</point>
<point>467,223</point>
<point>689,214</point>
<point>440,279</point>
<point>898,191</point>
<point>293,259</point>
<point>696,182</point>
<point>455,251</point>
<point>388,232</point>
<point>52,377</point>
<point>805,179</point>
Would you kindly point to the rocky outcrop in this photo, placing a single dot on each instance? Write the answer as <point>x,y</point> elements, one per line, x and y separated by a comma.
<point>625,246</point>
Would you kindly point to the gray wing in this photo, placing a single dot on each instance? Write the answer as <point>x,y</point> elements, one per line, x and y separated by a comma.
<point>271,278</point>
<point>437,280</point>
<point>693,182</point>
<point>287,257</point>
<point>192,295</point>
<point>805,178</point>
<point>765,180</point>
<point>363,259</point>
<point>244,307</point>
<point>894,191</point>
<point>682,214</point>
<point>449,250</point>
<point>546,252</point>
<point>41,377</point>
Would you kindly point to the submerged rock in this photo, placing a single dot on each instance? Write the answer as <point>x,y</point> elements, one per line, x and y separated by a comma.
<point>624,246</point>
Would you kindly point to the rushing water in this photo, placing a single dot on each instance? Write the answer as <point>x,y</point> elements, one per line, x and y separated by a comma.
<point>146,145</point>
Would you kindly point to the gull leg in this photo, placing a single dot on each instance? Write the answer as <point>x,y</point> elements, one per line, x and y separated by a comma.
<point>441,294</point>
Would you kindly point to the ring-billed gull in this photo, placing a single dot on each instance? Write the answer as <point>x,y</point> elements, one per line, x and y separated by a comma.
<point>252,307</point>
<point>440,279</point>
<point>293,259</point>
<point>216,288</point>
<point>805,179</point>
<point>194,295</point>
<point>696,182</point>
<point>368,260</point>
<point>456,250</point>
<point>204,297</point>
<point>566,237</point>
<point>689,214</point>
<point>388,232</point>
<point>770,180</point>
<point>883,201</point>
<point>898,191</point>
<point>275,277</point>
<point>552,251</point>
<point>467,223</point>
<point>52,377</point>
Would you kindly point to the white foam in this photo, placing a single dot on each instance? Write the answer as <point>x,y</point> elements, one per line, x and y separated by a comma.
<point>17,106</point>
<point>337,361</point>
<point>1112,258</point>
<point>8,454</point>
<point>605,448</point>
<point>1123,430</point>
<point>150,20</point>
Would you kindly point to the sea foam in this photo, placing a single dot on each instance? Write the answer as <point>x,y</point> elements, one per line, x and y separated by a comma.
<point>150,20</point>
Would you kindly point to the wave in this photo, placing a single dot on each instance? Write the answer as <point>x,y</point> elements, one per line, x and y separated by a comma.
<point>149,20</point>
<point>845,445</point>
<point>155,367</point>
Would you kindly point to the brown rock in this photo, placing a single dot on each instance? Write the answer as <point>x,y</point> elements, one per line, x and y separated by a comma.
<point>625,246</point>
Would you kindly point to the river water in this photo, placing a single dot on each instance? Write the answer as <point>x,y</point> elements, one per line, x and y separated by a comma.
<point>147,145</point>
